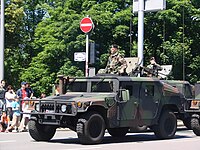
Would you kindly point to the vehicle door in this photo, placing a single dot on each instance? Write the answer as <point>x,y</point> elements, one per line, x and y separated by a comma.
<point>128,109</point>
<point>150,96</point>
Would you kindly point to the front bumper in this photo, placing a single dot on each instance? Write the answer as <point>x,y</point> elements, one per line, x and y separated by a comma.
<point>52,107</point>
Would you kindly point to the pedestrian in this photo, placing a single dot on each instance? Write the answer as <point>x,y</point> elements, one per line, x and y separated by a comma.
<point>43,95</point>
<point>57,90</point>
<point>29,90</point>
<point>2,96</point>
<point>116,63</point>
<point>5,121</point>
<point>16,116</point>
<point>25,117</point>
<point>9,96</point>
<point>153,68</point>
<point>22,92</point>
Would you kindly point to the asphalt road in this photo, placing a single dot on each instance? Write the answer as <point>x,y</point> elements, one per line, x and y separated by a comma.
<point>67,140</point>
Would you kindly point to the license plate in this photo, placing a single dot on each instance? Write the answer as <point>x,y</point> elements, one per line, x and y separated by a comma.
<point>49,111</point>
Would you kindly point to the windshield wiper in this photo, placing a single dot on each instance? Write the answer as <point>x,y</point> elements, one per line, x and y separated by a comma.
<point>94,87</point>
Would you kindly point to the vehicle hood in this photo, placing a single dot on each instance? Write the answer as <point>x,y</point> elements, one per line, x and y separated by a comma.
<point>77,96</point>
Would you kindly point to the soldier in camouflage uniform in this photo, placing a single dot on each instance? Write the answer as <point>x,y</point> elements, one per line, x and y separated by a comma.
<point>116,63</point>
<point>154,68</point>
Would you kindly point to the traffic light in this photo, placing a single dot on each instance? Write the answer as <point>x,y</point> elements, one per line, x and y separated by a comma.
<point>94,53</point>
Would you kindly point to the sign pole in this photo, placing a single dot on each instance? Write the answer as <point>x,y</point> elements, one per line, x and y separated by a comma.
<point>87,53</point>
<point>142,6</point>
<point>86,25</point>
<point>2,42</point>
<point>141,30</point>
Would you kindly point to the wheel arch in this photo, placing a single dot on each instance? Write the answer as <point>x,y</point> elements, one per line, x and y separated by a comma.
<point>169,107</point>
<point>197,116</point>
<point>101,110</point>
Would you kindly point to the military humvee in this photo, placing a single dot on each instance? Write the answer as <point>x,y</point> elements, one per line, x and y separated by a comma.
<point>187,90</point>
<point>191,116</point>
<point>192,108</point>
<point>90,105</point>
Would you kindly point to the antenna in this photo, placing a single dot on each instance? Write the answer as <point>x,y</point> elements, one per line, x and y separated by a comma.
<point>130,34</point>
<point>183,45</point>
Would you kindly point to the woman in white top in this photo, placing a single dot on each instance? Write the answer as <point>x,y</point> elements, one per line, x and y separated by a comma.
<point>25,117</point>
<point>9,96</point>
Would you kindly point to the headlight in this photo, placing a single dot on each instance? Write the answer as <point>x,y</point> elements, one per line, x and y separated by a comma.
<point>63,108</point>
<point>79,104</point>
<point>37,107</point>
<point>195,104</point>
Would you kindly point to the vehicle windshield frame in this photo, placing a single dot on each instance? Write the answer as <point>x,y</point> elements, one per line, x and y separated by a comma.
<point>90,82</point>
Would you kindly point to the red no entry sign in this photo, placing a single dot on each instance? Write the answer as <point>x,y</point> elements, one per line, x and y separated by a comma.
<point>86,24</point>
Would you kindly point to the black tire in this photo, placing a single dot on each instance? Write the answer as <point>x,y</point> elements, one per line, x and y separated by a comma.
<point>90,128</point>
<point>187,123</point>
<point>195,126</point>
<point>167,125</point>
<point>118,132</point>
<point>40,132</point>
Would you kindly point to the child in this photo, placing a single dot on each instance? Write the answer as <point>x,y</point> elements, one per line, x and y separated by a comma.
<point>5,121</point>
<point>16,115</point>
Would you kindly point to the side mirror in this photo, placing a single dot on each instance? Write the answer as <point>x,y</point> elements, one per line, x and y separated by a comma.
<point>124,95</point>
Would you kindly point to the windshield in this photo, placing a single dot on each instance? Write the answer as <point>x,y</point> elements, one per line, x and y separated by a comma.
<point>77,87</point>
<point>100,85</point>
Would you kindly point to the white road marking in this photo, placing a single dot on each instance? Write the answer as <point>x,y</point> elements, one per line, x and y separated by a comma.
<point>10,141</point>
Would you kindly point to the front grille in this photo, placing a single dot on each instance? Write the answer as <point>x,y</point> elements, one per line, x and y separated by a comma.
<point>51,108</point>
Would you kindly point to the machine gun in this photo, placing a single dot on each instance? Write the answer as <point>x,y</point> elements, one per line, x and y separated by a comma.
<point>134,68</point>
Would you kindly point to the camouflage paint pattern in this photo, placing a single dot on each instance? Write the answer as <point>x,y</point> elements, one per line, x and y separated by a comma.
<point>148,96</point>
<point>115,63</point>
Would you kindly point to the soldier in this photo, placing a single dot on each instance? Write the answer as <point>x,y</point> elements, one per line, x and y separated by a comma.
<point>153,68</point>
<point>116,63</point>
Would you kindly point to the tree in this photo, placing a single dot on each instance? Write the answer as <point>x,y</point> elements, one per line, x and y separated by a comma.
<point>42,36</point>
<point>58,36</point>
<point>170,36</point>
<point>14,48</point>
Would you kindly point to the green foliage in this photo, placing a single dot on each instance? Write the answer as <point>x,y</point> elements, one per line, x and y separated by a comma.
<point>14,49</point>
<point>68,70</point>
<point>42,36</point>
<point>171,36</point>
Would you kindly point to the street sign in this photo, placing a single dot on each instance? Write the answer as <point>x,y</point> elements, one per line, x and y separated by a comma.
<point>79,56</point>
<point>150,5</point>
<point>86,24</point>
